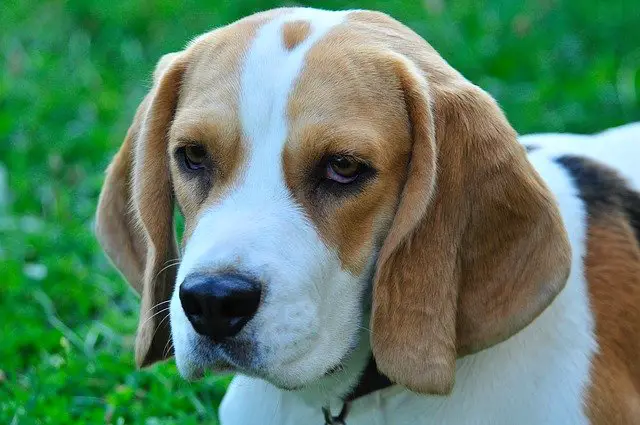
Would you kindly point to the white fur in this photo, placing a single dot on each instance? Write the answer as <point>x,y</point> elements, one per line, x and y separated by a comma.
<point>536,377</point>
<point>259,230</point>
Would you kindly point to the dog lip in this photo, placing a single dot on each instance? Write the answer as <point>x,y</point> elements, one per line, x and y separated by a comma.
<point>292,388</point>
<point>339,367</point>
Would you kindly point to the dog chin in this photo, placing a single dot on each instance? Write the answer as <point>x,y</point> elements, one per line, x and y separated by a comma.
<point>193,368</point>
<point>189,372</point>
<point>331,372</point>
<point>306,371</point>
<point>330,379</point>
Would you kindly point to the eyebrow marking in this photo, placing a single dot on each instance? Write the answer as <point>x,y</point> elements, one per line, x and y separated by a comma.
<point>294,33</point>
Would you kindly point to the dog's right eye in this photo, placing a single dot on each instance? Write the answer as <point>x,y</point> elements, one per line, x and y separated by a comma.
<point>343,169</point>
<point>193,157</point>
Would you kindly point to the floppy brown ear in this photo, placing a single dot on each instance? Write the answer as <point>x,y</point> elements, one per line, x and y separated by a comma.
<point>134,220</point>
<point>472,260</point>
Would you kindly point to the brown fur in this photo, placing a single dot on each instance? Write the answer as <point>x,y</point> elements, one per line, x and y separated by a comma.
<point>294,33</point>
<point>612,270</point>
<point>325,114</point>
<point>613,274</point>
<point>478,258</point>
<point>135,211</point>
<point>208,114</point>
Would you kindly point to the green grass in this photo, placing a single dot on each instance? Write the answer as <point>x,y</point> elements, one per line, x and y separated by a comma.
<point>71,76</point>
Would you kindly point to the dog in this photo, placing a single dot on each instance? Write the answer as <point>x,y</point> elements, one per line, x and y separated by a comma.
<point>367,240</point>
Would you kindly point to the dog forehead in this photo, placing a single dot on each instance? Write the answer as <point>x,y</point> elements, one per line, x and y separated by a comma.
<point>259,55</point>
<point>273,65</point>
<point>265,56</point>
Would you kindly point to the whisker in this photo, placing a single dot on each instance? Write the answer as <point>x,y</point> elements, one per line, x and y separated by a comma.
<point>159,326</point>
<point>154,315</point>
<point>171,262</point>
<point>366,329</point>
<point>167,267</point>
<point>172,259</point>
<point>158,305</point>
<point>167,348</point>
<point>315,285</point>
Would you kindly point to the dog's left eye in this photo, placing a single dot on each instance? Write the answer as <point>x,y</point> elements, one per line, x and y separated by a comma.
<point>193,157</point>
<point>343,168</point>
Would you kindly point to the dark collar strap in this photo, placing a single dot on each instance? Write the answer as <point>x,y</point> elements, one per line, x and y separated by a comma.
<point>370,381</point>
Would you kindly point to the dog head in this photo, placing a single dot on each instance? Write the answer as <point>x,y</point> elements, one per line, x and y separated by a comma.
<point>335,175</point>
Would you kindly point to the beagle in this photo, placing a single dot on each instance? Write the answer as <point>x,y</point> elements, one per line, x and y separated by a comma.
<point>365,234</point>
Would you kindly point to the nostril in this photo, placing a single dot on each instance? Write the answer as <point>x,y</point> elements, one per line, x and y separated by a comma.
<point>190,302</point>
<point>230,310</point>
<point>195,309</point>
<point>240,304</point>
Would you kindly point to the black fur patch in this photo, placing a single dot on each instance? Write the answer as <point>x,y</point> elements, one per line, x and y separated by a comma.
<point>603,189</point>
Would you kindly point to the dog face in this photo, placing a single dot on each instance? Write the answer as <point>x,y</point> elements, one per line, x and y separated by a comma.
<point>313,154</point>
<point>297,191</point>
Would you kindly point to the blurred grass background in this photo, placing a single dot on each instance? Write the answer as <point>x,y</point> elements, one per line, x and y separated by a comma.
<point>72,74</point>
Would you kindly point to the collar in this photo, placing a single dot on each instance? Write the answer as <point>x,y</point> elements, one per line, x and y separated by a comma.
<point>370,381</point>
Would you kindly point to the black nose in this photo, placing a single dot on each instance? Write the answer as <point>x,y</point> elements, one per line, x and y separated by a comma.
<point>219,305</point>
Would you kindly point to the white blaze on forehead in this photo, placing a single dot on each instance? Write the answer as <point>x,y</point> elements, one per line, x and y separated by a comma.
<point>268,77</point>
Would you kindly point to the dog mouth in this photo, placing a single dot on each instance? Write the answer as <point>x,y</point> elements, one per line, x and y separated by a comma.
<point>242,356</point>
<point>339,367</point>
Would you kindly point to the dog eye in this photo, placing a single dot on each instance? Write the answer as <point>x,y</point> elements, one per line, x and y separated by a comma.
<point>343,168</point>
<point>194,157</point>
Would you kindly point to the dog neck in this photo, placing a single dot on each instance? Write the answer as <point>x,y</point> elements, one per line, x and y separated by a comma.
<point>357,377</point>
<point>370,381</point>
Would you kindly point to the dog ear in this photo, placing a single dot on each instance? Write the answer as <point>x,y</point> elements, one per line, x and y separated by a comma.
<point>477,249</point>
<point>134,220</point>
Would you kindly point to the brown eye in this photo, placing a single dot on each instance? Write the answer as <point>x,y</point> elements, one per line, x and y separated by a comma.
<point>194,157</point>
<point>343,168</point>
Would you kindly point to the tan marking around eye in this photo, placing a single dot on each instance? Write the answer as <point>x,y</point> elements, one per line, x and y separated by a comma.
<point>294,33</point>
<point>208,112</point>
<point>362,115</point>
<point>218,132</point>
